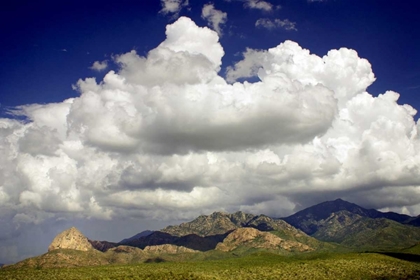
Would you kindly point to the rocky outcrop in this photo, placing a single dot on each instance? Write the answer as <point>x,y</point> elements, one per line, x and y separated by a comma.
<point>253,238</point>
<point>214,224</point>
<point>168,249</point>
<point>71,238</point>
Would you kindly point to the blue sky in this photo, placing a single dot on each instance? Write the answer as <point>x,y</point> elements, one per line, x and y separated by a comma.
<point>128,116</point>
<point>36,69</point>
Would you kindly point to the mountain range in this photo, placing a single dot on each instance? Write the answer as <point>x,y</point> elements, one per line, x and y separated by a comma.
<point>308,219</point>
<point>329,226</point>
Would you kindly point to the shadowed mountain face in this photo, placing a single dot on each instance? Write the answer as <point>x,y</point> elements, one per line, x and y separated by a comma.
<point>102,246</point>
<point>192,241</point>
<point>308,220</point>
<point>138,235</point>
<point>156,238</point>
<point>415,221</point>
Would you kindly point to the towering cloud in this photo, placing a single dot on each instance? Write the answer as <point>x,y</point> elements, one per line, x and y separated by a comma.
<point>167,137</point>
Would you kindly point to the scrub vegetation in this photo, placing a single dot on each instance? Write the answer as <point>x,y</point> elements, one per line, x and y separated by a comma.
<point>259,265</point>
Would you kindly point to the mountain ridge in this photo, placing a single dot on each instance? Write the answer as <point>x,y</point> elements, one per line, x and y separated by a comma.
<point>213,224</point>
<point>308,218</point>
<point>136,236</point>
<point>353,230</point>
<point>331,225</point>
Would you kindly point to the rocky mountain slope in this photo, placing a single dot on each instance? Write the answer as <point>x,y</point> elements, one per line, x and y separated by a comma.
<point>286,231</point>
<point>353,230</point>
<point>250,238</point>
<point>205,232</point>
<point>71,249</point>
<point>214,224</point>
<point>333,225</point>
<point>71,238</point>
<point>308,219</point>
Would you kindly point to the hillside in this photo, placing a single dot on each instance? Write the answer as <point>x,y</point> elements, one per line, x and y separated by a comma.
<point>71,249</point>
<point>245,239</point>
<point>205,232</point>
<point>415,249</point>
<point>102,246</point>
<point>415,221</point>
<point>214,224</point>
<point>286,231</point>
<point>309,219</point>
<point>359,232</point>
<point>64,258</point>
<point>335,226</point>
<point>260,265</point>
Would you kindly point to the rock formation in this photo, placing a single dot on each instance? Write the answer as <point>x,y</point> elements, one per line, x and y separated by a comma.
<point>71,238</point>
<point>253,238</point>
<point>168,249</point>
<point>214,224</point>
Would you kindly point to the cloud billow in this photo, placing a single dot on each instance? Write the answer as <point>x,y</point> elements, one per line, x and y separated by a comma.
<point>167,136</point>
<point>215,18</point>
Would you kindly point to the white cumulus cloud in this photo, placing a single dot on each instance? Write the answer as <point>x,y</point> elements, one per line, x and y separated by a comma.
<point>168,137</point>
<point>99,65</point>
<point>215,18</point>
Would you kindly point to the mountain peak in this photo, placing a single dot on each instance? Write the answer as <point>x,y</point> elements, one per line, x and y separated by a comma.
<point>213,224</point>
<point>218,214</point>
<point>308,219</point>
<point>71,238</point>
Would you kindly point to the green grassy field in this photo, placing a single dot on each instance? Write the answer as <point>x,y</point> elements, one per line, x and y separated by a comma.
<point>256,266</point>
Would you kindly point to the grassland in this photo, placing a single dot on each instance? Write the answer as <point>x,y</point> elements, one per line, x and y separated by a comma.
<point>255,266</point>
